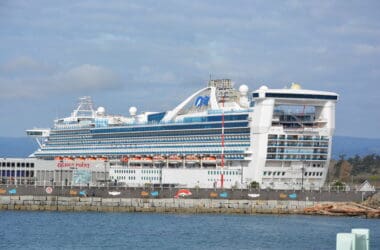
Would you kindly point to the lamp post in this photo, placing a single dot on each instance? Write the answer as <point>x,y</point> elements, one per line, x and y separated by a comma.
<point>161,169</point>
<point>302,172</point>
<point>105,173</point>
<point>61,161</point>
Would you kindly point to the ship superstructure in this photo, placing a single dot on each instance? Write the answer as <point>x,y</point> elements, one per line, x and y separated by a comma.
<point>217,137</point>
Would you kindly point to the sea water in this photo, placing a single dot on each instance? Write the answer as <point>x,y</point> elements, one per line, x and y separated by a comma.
<point>92,230</point>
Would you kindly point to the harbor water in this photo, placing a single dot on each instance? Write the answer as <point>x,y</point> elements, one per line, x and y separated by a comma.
<point>88,230</point>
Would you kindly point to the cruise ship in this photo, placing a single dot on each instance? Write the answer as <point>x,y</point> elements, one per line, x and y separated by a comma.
<point>219,137</point>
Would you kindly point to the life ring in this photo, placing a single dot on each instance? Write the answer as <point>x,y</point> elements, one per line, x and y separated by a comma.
<point>49,190</point>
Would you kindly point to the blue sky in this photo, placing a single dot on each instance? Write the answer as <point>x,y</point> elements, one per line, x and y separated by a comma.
<point>152,54</point>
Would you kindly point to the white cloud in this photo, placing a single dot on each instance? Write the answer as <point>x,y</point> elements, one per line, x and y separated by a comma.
<point>85,78</point>
<point>367,49</point>
<point>22,64</point>
<point>150,75</point>
<point>109,40</point>
<point>88,76</point>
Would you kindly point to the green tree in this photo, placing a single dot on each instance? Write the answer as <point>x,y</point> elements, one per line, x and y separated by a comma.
<point>254,185</point>
<point>338,185</point>
<point>338,165</point>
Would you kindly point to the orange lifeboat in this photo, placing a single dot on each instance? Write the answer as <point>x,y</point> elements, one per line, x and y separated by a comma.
<point>158,158</point>
<point>68,158</point>
<point>58,158</point>
<point>80,158</point>
<point>135,159</point>
<point>146,159</point>
<point>209,160</point>
<point>124,159</point>
<point>175,159</point>
<point>102,158</point>
<point>192,159</point>
<point>91,158</point>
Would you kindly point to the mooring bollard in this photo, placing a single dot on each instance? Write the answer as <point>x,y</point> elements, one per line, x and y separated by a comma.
<point>362,238</point>
<point>358,239</point>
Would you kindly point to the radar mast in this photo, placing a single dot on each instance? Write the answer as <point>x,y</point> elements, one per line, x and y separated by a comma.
<point>85,108</point>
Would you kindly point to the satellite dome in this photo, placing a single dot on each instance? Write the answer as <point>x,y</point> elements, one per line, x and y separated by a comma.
<point>101,111</point>
<point>263,87</point>
<point>132,111</point>
<point>243,89</point>
<point>295,86</point>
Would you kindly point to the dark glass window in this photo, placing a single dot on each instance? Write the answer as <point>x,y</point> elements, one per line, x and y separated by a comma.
<point>171,127</point>
<point>305,96</point>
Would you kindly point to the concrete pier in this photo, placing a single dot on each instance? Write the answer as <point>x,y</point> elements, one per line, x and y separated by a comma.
<point>169,205</point>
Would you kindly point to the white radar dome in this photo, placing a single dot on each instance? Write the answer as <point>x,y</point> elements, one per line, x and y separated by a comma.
<point>263,87</point>
<point>132,111</point>
<point>101,111</point>
<point>295,85</point>
<point>243,89</point>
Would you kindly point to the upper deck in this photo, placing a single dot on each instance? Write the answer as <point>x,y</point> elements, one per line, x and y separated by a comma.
<point>218,98</point>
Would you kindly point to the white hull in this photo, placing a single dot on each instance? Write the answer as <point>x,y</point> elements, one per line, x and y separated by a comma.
<point>279,138</point>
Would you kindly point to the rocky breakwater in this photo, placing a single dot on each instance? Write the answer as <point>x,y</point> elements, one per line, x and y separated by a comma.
<point>373,201</point>
<point>343,209</point>
<point>185,205</point>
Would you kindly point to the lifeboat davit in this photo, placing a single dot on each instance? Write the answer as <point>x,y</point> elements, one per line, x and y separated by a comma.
<point>209,160</point>
<point>175,159</point>
<point>135,159</point>
<point>192,159</point>
<point>124,159</point>
<point>158,159</point>
<point>146,159</point>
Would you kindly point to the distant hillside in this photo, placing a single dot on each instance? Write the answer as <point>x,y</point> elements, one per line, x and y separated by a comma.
<point>349,146</point>
<point>356,169</point>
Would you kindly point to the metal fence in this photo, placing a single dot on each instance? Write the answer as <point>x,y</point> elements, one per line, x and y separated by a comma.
<point>111,191</point>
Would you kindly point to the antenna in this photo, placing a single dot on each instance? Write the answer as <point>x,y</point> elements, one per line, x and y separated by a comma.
<point>84,108</point>
<point>222,141</point>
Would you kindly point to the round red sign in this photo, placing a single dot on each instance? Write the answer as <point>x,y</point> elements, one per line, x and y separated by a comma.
<point>49,190</point>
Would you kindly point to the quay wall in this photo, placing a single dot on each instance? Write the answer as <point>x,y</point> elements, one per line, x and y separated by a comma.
<point>166,193</point>
<point>168,205</point>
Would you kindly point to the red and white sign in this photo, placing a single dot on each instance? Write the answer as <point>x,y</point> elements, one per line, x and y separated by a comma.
<point>49,190</point>
<point>72,165</point>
